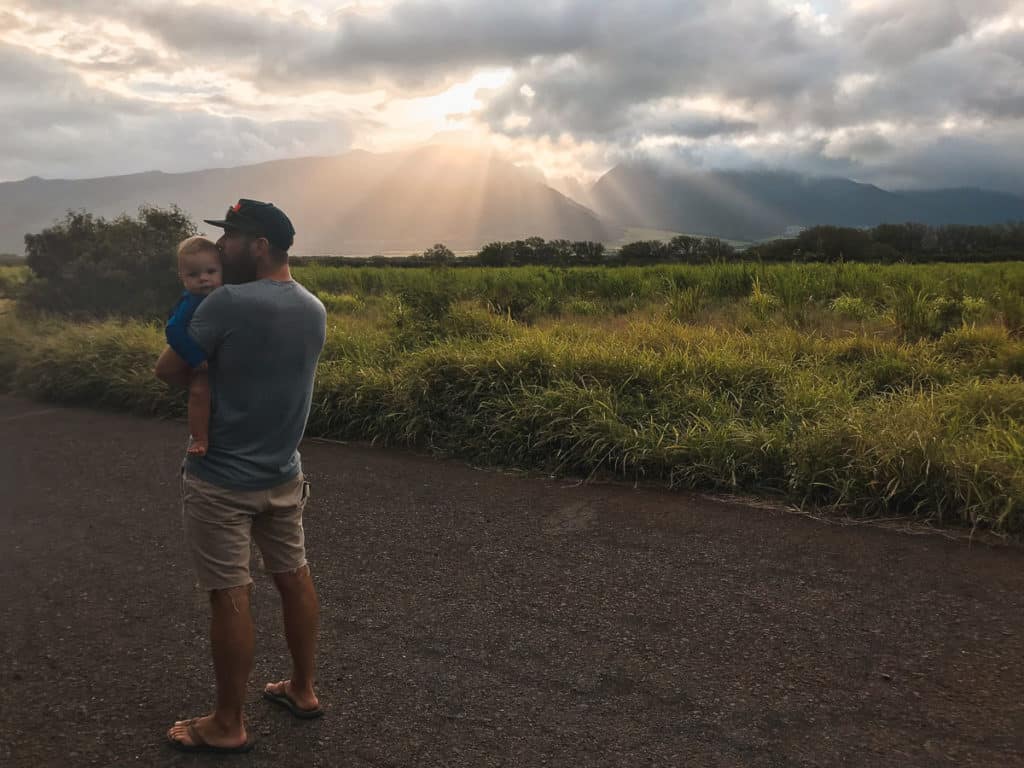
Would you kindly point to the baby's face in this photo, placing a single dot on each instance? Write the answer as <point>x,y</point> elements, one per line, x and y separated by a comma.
<point>200,272</point>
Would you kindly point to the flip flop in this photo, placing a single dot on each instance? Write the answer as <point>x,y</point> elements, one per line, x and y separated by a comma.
<point>286,701</point>
<point>199,744</point>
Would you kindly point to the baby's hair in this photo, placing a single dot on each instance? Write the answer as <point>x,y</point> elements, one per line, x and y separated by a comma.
<point>196,244</point>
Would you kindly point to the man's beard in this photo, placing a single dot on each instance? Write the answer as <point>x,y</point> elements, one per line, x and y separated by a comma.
<point>241,271</point>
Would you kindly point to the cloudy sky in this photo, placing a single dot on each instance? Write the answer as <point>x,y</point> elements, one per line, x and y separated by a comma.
<point>897,92</point>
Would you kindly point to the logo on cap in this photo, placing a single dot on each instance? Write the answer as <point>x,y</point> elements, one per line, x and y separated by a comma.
<point>237,206</point>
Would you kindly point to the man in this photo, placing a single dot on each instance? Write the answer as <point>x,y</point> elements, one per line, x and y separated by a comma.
<point>262,334</point>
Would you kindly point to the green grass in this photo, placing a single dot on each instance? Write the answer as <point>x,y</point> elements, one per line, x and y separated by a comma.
<point>870,391</point>
<point>999,285</point>
<point>11,280</point>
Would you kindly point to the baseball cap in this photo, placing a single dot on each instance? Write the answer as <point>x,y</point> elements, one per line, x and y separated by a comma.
<point>258,218</point>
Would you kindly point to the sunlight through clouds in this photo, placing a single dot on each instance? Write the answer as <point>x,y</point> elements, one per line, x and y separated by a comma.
<point>571,87</point>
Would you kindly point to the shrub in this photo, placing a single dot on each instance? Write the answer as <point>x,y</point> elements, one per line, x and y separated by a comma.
<point>109,365</point>
<point>582,307</point>
<point>439,255</point>
<point>913,313</point>
<point>974,309</point>
<point>1011,308</point>
<point>853,307</point>
<point>12,281</point>
<point>686,303</point>
<point>869,423</point>
<point>762,303</point>
<point>342,303</point>
<point>91,266</point>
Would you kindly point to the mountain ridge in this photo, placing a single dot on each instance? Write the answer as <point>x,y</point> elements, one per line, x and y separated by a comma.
<point>355,203</point>
<point>754,205</point>
<point>360,202</point>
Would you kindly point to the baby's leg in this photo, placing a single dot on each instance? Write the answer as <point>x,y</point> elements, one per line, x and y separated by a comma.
<point>199,413</point>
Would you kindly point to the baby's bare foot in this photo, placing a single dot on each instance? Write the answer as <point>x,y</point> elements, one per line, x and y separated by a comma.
<point>198,447</point>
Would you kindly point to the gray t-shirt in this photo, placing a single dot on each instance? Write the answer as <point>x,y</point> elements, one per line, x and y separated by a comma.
<point>263,340</point>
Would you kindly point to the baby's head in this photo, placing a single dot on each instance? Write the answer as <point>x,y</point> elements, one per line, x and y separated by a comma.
<point>199,265</point>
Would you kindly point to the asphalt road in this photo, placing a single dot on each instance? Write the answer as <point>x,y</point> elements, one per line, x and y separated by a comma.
<point>477,618</point>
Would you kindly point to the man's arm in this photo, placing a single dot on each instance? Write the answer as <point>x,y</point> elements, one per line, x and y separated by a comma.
<point>172,369</point>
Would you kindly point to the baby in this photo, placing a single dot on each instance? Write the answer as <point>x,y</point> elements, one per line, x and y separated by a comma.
<point>200,271</point>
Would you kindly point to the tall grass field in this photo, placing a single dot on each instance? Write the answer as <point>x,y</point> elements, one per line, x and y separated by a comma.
<point>868,390</point>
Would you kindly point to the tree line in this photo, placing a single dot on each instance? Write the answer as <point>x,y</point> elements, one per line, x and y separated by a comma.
<point>86,264</point>
<point>891,243</point>
<point>886,243</point>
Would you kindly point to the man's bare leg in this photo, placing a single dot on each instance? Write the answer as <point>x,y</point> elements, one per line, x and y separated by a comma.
<point>232,641</point>
<point>301,625</point>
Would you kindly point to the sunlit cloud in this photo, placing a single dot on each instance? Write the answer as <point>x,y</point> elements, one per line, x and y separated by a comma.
<point>867,88</point>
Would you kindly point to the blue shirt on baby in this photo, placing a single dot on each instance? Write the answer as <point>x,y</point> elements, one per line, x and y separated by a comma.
<point>176,330</point>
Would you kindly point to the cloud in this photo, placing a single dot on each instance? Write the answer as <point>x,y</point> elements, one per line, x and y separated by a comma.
<point>877,81</point>
<point>53,124</point>
<point>920,91</point>
<point>413,46</point>
<point>894,34</point>
<point>995,161</point>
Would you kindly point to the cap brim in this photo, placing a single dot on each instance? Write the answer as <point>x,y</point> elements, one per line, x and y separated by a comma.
<point>245,227</point>
<point>238,226</point>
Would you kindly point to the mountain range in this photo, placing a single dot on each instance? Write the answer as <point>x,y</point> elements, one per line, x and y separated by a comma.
<point>754,205</point>
<point>356,203</point>
<point>361,203</point>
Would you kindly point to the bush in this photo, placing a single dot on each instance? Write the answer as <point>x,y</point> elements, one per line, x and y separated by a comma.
<point>644,252</point>
<point>852,307</point>
<point>762,303</point>
<point>107,365</point>
<point>12,280</point>
<point>1011,308</point>
<point>915,313</point>
<point>974,309</point>
<point>439,255</point>
<point>684,304</point>
<point>16,341</point>
<point>91,266</point>
<point>583,308</point>
<point>342,303</point>
<point>869,422</point>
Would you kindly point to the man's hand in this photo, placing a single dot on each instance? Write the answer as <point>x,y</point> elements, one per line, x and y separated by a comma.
<point>172,369</point>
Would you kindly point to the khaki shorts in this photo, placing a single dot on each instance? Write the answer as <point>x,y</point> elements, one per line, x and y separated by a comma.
<point>221,523</point>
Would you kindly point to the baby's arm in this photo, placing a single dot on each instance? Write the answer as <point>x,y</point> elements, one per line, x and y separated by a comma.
<point>172,369</point>
<point>179,340</point>
<point>184,363</point>
<point>199,411</point>
<point>176,331</point>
